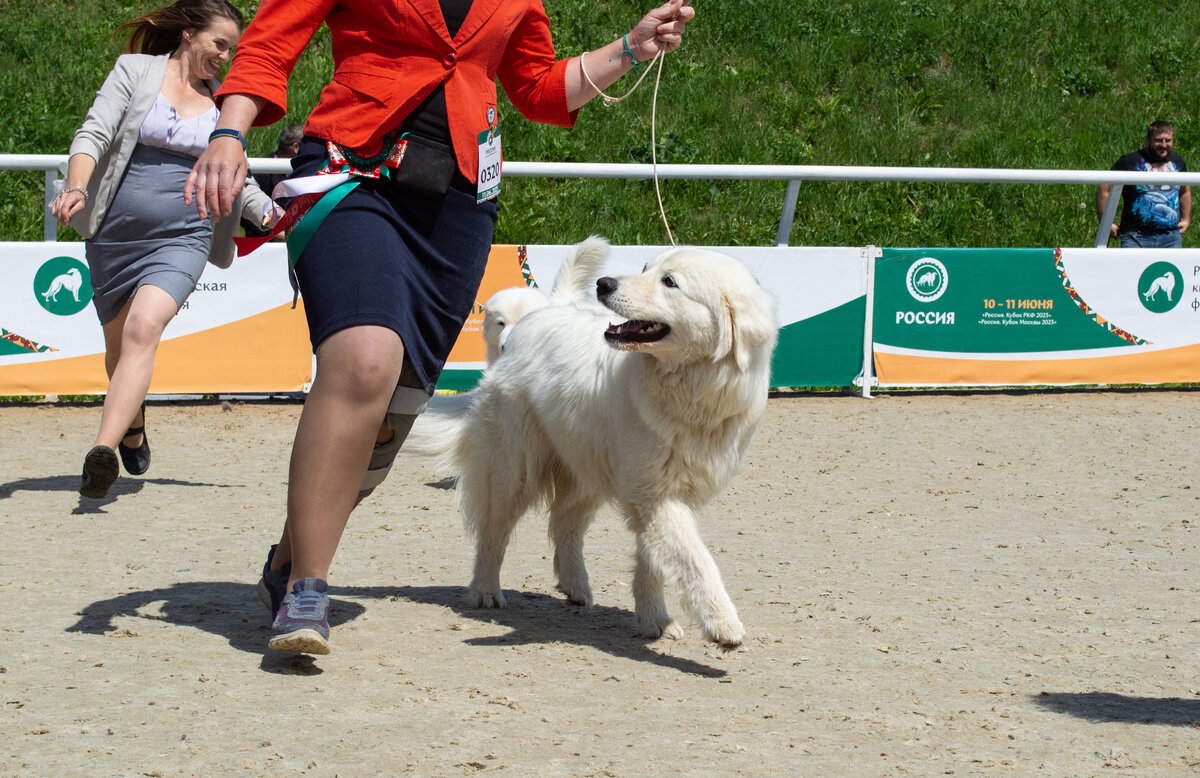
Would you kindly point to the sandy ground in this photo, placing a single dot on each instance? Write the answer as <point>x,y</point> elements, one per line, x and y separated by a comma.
<point>977,583</point>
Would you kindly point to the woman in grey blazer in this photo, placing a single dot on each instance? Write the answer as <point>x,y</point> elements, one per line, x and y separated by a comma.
<point>145,249</point>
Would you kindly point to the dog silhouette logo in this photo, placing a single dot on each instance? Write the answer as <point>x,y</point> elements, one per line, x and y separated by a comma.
<point>927,279</point>
<point>69,281</point>
<point>1164,283</point>
<point>63,286</point>
<point>1160,287</point>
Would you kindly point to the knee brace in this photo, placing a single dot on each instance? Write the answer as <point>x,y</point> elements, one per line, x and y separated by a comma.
<point>408,401</point>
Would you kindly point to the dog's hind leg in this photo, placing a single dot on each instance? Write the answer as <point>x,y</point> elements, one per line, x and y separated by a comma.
<point>571,514</point>
<point>672,547</point>
<point>493,498</point>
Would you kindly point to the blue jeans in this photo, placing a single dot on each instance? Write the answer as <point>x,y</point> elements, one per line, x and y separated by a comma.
<point>1171,239</point>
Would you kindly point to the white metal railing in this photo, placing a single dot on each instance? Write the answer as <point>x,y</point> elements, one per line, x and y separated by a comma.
<point>54,166</point>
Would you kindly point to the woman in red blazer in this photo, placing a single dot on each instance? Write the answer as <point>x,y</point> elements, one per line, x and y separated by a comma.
<point>389,261</point>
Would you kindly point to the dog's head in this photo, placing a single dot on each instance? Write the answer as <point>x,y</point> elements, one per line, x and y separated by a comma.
<point>504,309</point>
<point>691,305</point>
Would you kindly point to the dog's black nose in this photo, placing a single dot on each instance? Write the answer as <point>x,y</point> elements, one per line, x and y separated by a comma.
<point>605,286</point>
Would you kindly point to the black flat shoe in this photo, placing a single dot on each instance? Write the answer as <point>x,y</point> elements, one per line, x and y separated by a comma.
<point>100,469</point>
<point>136,460</point>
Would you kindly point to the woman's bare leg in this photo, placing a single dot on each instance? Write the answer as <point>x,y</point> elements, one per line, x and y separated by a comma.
<point>130,343</point>
<point>357,371</point>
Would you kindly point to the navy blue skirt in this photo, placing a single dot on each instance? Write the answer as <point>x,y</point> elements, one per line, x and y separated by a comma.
<point>397,259</point>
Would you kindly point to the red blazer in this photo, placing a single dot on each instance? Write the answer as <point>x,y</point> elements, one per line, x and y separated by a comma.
<point>388,55</point>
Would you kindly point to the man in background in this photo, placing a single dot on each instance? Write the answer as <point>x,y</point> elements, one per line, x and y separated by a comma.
<point>1151,216</point>
<point>289,144</point>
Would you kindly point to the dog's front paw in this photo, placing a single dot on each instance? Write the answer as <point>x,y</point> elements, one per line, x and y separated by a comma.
<point>724,630</point>
<point>487,598</point>
<point>664,628</point>
<point>577,596</point>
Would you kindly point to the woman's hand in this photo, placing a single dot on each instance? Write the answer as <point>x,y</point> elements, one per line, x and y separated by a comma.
<point>661,30</point>
<point>218,176</point>
<point>71,200</point>
<point>66,205</point>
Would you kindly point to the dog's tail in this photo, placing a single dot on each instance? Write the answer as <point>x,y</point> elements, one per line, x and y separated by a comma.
<point>576,279</point>
<point>438,433</point>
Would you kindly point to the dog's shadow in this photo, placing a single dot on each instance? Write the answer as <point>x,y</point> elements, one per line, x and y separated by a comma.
<point>536,618</point>
<point>231,610</point>
<point>1110,707</point>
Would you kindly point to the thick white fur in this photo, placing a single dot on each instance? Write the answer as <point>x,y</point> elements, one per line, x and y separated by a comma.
<point>567,421</point>
<point>575,282</point>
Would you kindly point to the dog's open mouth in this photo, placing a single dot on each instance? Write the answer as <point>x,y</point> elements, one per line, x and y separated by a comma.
<point>637,332</point>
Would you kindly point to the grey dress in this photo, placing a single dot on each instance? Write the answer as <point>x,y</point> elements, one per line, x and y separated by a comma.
<point>148,235</point>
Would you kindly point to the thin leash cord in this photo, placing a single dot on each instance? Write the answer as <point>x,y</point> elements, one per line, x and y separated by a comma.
<point>609,100</point>
<point>654,147</point>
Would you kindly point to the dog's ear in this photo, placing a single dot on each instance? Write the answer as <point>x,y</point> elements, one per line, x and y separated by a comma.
<point>747,324</point>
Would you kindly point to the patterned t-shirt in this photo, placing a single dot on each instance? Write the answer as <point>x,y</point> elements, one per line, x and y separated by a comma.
<point>1149,208</point>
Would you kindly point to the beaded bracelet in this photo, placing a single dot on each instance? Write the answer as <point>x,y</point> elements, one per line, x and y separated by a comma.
<point>79,189</point>
<point>228,132</point>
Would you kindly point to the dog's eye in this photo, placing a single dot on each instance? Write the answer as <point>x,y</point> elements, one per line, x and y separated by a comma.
<point>499,325</point>
<point>669,282</point>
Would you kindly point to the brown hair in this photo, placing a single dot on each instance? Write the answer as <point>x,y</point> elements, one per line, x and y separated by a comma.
<point>1158,127</point>
<point>161,31</point>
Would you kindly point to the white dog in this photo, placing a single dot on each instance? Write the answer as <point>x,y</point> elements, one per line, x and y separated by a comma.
<point>71,280</point>
<point>573,283</point>
<point>653,414</point>
<point>1165,283</point>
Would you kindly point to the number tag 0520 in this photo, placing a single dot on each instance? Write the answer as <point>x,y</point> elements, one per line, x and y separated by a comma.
<point>490,164</point>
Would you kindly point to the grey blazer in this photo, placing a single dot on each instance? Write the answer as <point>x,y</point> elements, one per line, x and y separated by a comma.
<point>109,134</point>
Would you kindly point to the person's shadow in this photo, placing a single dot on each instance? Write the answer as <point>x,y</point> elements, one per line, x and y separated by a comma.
<point>122,487</point>
<point>231,610</point>
<point>1107,707</point>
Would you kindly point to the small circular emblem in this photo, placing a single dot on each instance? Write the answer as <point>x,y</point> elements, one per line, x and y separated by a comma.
<point>927,279</point>
<point>1160,287</point>
<point>63,286</point>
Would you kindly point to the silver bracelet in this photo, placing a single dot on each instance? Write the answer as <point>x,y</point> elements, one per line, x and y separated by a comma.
<point>79,189</point>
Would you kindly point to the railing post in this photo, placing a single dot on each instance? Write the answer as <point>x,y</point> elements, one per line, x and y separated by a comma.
<point>870,253</point>
<point>1110,212</point>
<point>49,224</point>
<point>790,197</point>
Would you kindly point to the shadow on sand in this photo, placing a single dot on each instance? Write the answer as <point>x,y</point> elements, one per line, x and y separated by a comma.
<point>1121,708</point>
<point>232,611</point>
<point>122,487</point>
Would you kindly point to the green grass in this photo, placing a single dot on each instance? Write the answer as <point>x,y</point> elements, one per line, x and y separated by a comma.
<point>972,83</point>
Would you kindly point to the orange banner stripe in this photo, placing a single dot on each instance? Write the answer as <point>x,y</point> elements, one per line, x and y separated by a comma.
<point>268,352</point>
<point>1177,365</point>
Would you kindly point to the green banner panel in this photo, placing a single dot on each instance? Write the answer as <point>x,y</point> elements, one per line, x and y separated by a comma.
<point>982,301</point>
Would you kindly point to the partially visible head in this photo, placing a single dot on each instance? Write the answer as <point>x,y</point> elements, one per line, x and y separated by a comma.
<point>691,305</point>
<point>504,309</point>
<point>1160,139</point>
<point>289,140</point>
<point>206,29</point>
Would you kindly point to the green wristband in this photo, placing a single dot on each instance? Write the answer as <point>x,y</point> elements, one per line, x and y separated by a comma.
<point>228,132</point>
<point>626,51</point>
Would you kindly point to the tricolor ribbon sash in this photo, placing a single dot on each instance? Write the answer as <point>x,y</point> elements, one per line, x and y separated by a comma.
<point>313,197</point>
